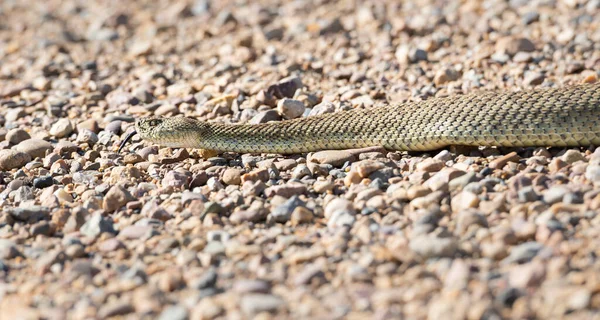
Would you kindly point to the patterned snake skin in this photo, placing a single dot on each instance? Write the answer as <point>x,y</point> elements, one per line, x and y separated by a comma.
<point>557,117</point>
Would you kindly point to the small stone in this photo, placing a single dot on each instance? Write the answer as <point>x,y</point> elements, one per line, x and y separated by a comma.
<point>527,194</point>
<point>66,147</point>
<point>265,116</point>
<point>301,215</point>
<point>285,88</point>
<point>283,212</point>
<point>176,179</point>
<point>523,252</point>
<point>512,45</point>
<point>444,76</point>
<point>12,159</point>
<point>251,286</point>
<point>166,109</point>
<point>290,108</point>
<point>116,198</point>
<point>114,309</point>
<point>571,156</point>
<point>41,228</point>
<point>430,165</point>
<point>15,136</point>
<point>580,299</point>
<point>135,232</point>
<point>464,200</point>
<point>288,190</point>
<point>232,177</point>
<point>534,78</point>
<point>336,158</point>
<point>110,245</point>
<point>592,173</point>
<point>61,128</point>
<point>143,95</point>
<point>301,171</point>
<point>555,194</point>
<point>15,114</point>
<point>323,186</point>
<point>175,312</point>
<point>255,303</point>
<point>90,124</point>
<point>34,147</point>
<point>207,309</point>
<point>8,249</point>
<point>500,162</point>
<point>522,57</point>
<point>322,108</point>
<point>140,48</point>
<point>365,167</point>
<point>340,219</point>
<point>96,225</point>
<point>469,218</point>
<point>430,246</point>
<point>338,204</point>
<point>114,127</point>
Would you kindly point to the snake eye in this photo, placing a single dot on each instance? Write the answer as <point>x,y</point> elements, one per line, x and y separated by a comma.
<point>154,122</point>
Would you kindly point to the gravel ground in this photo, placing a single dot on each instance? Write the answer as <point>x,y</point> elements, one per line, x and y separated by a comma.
<point>165,233</point>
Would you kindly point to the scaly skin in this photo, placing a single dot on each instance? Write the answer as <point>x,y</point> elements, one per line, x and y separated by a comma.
<point>558,117</point>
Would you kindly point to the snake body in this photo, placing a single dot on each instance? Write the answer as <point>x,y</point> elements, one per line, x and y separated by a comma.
<point>556,117</point>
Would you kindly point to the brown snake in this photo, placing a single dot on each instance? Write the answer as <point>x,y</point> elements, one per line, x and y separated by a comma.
<point>557,117</point>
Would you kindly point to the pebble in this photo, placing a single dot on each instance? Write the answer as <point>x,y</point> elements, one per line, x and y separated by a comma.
<point>572,156</point>
<point>114,127</point>
<point>464,200</point>
<point>512,45</point>
<point>232,177</point>
<point>96,225</point>
<point>283,212</point>
<point>524,252</point>
<point>301,215</point>
<point>290,108</point>
<point>285,191</point>
<point>176,179</point>
<point>116,197</point>
<point>252,286</point>
<point>11,159</point>
<point>444,76</point>
<point>15,136</point>
<point>430,165</point>
<point>89,124</point>
<point>265,116</point>
<point>8,249</point>
<point>534,78</point>
<point>429,246</point>
<point>255,303</point>
<point>322,108</point>
<point>500,162</point>
<point>34,147</point>
<point>175,312</point>
<point>301,171</point>
<point>336,158</point>
<point>61,128</point>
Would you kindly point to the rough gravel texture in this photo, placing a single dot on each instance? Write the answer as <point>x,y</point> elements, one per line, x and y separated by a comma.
<point>159,233</point>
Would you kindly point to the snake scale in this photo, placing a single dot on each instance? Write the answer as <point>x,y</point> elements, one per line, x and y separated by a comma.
<point>555,117</point>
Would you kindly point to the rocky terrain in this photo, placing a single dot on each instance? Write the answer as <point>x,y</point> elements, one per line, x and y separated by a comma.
<point>160,233</point>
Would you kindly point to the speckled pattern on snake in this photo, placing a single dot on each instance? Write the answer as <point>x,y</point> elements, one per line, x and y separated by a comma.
<point>555,117</point>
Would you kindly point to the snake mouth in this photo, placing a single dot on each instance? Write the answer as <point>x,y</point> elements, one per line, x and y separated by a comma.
<point>127,138</point>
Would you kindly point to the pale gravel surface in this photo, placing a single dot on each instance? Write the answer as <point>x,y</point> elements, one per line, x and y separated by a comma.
<point>157,233</point>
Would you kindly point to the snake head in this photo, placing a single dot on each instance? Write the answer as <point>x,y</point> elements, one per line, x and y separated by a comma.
<point>148,128</point>
<point>171,132</point>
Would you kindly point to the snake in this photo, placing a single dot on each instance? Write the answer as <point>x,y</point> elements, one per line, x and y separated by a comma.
<point>545,117</point>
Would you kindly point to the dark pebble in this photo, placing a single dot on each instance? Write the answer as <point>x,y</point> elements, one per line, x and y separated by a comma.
<point>43,182</point>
